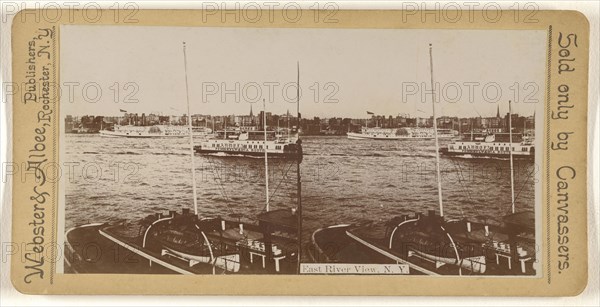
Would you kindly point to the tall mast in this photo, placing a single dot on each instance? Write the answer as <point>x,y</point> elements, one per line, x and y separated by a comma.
<point>512,171</point>
<point>435,132</point>
<point>471,130</point>
<point>266,157</point>
<point>187,95</point>
<point>299,182</point>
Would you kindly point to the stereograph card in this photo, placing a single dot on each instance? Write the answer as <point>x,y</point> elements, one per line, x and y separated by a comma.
<point>299,152</point>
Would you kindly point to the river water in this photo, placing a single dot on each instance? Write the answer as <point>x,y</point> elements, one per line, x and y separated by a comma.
<point>343,181</point>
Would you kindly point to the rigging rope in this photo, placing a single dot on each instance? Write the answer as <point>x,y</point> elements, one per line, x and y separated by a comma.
<point>460,180</point>
<point>281,181</point>
<point>223,192</point>
<point>220,185</point>
<point>530,175</point>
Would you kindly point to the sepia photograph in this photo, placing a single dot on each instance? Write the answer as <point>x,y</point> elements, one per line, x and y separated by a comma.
<point>201,150</point>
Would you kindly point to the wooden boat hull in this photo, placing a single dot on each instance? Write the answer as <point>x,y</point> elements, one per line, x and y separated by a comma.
<point>474,249</point>
<point>335,244</point>
<point>182,244</point>
<point>87,251</point>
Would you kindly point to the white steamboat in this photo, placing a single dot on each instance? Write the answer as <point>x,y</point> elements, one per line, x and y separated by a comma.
<point>378,133</point>
<point>496,145</point>
<point>156,131</point>
<point>252,143</point>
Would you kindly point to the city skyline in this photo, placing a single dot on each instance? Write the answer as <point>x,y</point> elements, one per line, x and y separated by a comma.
<point>293,114</point>
<point>258,116</point>
<point>310,126</point>
<point>343,72</point>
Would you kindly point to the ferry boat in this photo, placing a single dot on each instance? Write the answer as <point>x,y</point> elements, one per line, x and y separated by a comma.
<point>378,133</point>
<point>433,244</point>
<point>187,243</point>
<point>156,131</point>
<point>252,143</point>
<point>496,145</point>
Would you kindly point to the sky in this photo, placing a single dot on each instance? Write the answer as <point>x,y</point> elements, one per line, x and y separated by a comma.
<point>343,72</point>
